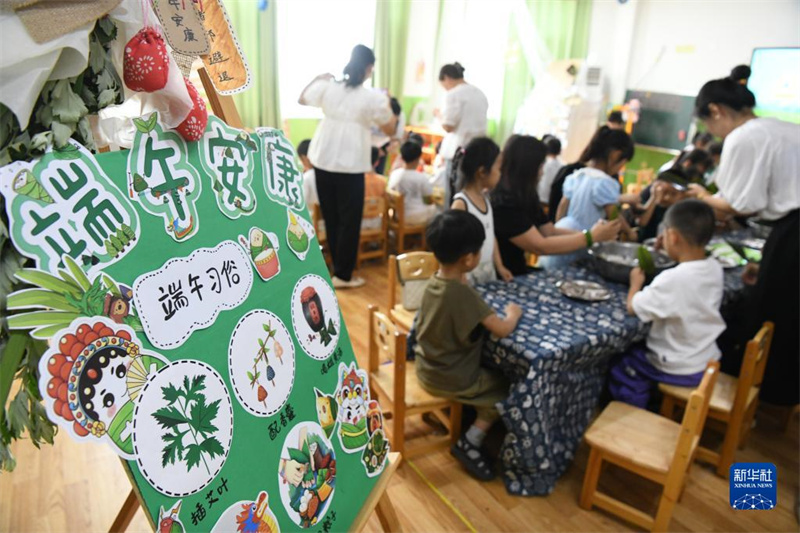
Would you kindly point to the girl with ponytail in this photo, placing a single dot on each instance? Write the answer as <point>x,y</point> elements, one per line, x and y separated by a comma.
<point>759,174</point>
<point>340,153</point>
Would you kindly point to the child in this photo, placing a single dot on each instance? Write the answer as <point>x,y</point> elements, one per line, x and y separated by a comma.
<point>309,180</point>
<point>374,186</point>
<point>374,183</point>
<point>552,165</point>
<point>478,167</point>
<point>669,187</point>
<point>413,185</point>
<point>450,329</point>
<point>683,305</point>
<point>591,193</point>
<point>615,121</point>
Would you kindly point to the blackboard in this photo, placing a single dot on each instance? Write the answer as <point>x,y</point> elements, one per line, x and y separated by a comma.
<point>664,119</point>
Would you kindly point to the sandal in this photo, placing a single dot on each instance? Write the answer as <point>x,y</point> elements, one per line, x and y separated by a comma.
<point>472,459</point>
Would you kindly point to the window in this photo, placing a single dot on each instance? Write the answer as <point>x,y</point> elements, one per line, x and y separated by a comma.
<point>314,37</point>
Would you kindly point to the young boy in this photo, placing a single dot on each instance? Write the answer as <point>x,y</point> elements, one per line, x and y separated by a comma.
<point>450,328</point>
<point>552,165</point>
<point>309,179</point>
<point>415,186</point>
<point>683,305</point>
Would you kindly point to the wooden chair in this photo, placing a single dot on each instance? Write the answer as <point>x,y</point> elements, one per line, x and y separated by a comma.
<point>733,403</point>
<point>397,221</point>
<point>395,385</point>
<point>376,238</point>
<point>411,270</point>
<point>649,445</point>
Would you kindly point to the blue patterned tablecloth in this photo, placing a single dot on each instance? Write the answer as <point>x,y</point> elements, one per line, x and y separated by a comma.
<point>557,360</point>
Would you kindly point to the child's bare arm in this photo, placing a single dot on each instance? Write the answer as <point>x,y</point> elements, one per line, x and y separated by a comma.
<point>502,327</point>
<point>637,282</point>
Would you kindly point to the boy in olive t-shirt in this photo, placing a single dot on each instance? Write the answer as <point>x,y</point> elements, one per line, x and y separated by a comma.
<point>450,328</point>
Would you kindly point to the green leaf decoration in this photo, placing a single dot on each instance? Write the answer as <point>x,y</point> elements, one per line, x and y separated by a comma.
<point>218,186</point>
<point>170,393</point>
<point>39,297</point>
<point>77,272</point>
<point>299,456</point>
<point>134,322</point>
<point>203,415</point>
<point>68,151</point>
<point>169,417</point>
<point>141,126</point>
<point>13,352</point>
<point>68,278</point>
<point>111,286</point>
<point>41,318</point>
<point>48,281</point>
<point>139,183</point>
<point>193,455</point>
<point>151,122</point>
<point>128,232</point>
<point>174,449</point>
<point>250,376</point>
<point>228,152</point>
<point>213,447</point>
<point>47,332</point>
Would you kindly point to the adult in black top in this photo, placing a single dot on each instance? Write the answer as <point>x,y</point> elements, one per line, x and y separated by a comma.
<point>557,189</point>
<point>520,225</point>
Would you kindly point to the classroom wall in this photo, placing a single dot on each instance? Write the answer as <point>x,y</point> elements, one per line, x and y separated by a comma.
<point>677,45</point>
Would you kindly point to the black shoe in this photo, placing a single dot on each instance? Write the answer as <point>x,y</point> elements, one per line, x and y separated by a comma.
<point>478,467</point>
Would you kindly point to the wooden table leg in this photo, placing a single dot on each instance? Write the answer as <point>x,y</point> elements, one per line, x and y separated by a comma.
<point>387,516</point>
<point>125,514</point>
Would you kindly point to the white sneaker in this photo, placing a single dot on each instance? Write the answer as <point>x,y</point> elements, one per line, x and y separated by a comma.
<point>354,283</point>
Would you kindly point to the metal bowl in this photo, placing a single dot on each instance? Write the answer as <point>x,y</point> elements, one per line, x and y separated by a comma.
<point>615,260</point>
<point>759,227</point>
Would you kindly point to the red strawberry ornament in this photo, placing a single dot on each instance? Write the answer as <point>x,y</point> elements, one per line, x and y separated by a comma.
<point>145,64</point>
<point>193,127</point>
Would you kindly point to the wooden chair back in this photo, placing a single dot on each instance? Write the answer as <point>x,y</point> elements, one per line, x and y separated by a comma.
<point>395,204</point>
<point>374,207</point>
<point>692,426</point>
<point>386,343</point>
<point>755,359</point>
<point>410,270</point>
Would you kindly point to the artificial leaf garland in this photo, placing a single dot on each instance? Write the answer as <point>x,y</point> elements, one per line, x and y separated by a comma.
<point>61,112</point>
<point>63,106</point>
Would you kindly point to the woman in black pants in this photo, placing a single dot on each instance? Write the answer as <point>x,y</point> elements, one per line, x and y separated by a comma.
<point>340,153</point>
<point>759,174</point>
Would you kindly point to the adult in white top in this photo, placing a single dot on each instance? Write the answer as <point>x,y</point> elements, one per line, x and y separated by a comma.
<point>463,117</point>
<point>340,153</point>
<point>759,174</point>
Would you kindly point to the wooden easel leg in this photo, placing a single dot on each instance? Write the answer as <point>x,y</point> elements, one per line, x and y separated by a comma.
<point>125,514</point>
<point>386,515</point>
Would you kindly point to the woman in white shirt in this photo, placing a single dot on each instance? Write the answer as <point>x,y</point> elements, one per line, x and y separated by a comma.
<point>759,174</point>
<point>340,152</point>
<point>463,118</point>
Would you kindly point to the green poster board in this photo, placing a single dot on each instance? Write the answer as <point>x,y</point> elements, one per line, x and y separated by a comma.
<point>195,330</point>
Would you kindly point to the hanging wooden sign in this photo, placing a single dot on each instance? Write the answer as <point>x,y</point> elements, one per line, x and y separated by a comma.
<point>225,61</point>
<point>182,26</point>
